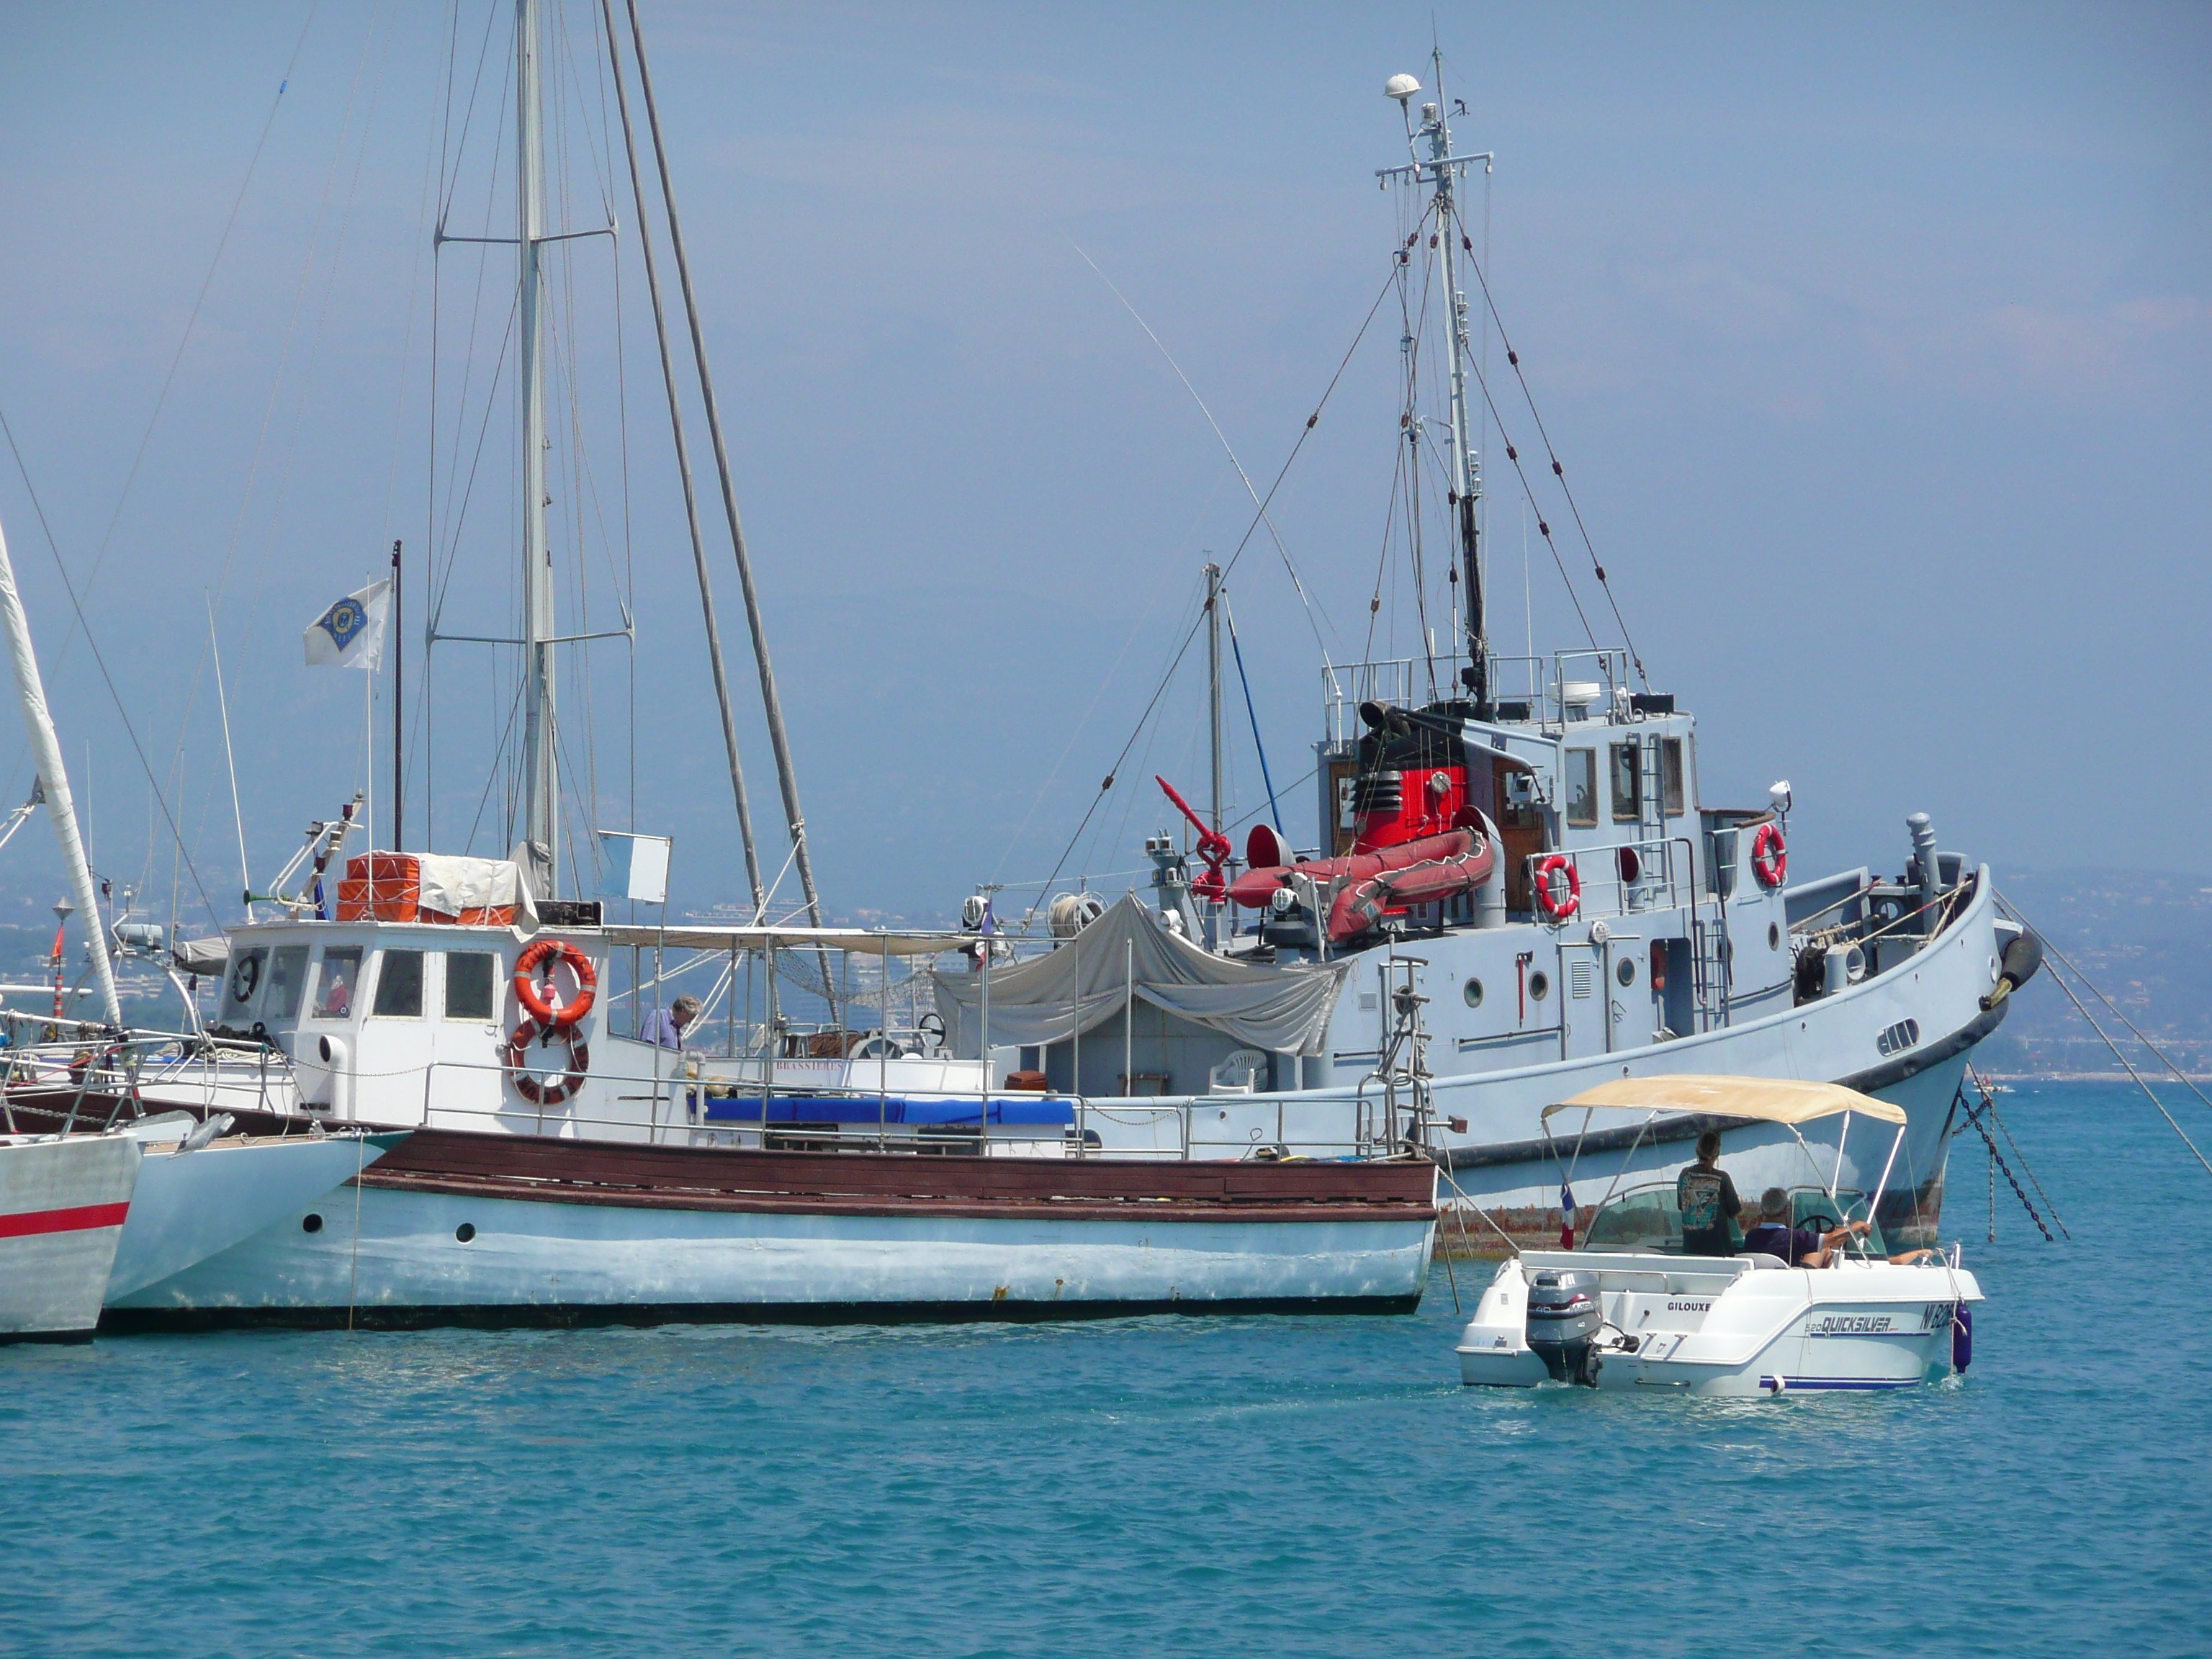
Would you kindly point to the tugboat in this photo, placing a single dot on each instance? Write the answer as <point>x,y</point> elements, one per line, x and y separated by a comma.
<point>1516,890</point>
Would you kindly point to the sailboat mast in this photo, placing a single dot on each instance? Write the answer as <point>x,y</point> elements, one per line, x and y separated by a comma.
<point>46,751</point>
<point>541,782</point>
<point>1466,469</point>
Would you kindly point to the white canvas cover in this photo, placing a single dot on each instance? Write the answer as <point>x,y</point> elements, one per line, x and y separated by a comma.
<point>1281,1010</point>
<point>452,885</point>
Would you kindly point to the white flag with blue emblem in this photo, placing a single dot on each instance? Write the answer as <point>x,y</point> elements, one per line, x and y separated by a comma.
<point>350,634</point>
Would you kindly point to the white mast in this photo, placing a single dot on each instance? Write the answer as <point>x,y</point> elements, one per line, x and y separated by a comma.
<point>1441,169</point>
<point>47,748</point>
<point>540,776</point>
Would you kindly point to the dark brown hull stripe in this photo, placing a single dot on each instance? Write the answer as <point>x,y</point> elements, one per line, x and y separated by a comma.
<point>540,1315</point>
<point>1071,1208</point>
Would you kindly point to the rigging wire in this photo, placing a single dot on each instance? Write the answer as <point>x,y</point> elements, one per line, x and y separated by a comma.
<point>1160,690</point>
<point>1253,714</point>
<point>1513,358</point>
<point>93,645</point>
<point>1313,618</point>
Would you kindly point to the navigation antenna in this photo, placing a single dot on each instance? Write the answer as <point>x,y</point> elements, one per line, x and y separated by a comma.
<point>1440,170</point>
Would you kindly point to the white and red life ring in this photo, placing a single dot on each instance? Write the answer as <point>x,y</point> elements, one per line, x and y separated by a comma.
<point>538,1006</point>
<point>526,1082</point>
<point>1770,855</point>
<point>1558,905</point>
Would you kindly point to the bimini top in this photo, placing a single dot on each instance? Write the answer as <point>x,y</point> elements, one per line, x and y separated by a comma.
<point>1773,1100</point>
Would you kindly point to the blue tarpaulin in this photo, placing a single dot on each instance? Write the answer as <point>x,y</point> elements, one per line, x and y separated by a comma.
<point>895,1109</point>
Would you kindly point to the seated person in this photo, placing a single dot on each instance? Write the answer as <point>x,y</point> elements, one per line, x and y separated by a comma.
<point>1800,1247</point>
<point>1706,1199</point>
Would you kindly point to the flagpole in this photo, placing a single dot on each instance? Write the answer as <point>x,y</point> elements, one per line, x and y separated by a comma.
<point>398,730</point>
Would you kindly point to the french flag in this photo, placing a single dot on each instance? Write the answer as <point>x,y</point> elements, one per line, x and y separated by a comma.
<point>1566,1217</point>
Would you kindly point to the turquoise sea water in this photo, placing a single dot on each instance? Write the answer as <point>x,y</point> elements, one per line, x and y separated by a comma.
<point>1274,1485</point>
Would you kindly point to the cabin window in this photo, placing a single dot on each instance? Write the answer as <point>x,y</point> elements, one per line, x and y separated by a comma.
<point>287,977</point>
<point>399,986</point>
<point>1627,784</point>
<point>341,975</point>
<point>1582,786</point>
<point>469,976</point>
<point>1670,776</point>
<point>245,981</point>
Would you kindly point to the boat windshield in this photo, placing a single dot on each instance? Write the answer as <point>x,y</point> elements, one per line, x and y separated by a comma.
<point>1645,1218</point>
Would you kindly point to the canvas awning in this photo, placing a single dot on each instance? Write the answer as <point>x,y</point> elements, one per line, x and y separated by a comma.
<point>1771,1100</point>
<point>1127,955</point>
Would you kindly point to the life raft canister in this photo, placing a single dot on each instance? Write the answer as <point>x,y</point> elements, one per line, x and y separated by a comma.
<point>1770,857</point>
<point>538,1006</point>
<point>526,1081</point>
<point>1555,905</point>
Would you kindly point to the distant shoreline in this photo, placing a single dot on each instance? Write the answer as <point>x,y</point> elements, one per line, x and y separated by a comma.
<point>2094,1077</point>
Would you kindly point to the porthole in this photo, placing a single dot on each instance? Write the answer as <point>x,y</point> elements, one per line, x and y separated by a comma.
<point>1540,987</point>
<point>1773,936</point>
<point>465,1232</point>
<point>311,1223</point>
<point>1626,972</point>
<point>1472,991</point>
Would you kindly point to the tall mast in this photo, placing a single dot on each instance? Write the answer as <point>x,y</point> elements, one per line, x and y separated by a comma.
<point>1213,690</point>
<point>540,779</point>
<point>1441,169</point>
<point>46,749</point>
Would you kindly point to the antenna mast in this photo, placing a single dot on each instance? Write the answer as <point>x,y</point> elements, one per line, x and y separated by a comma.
<point>1442,170</point>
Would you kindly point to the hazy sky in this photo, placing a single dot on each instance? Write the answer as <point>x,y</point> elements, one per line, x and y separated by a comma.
<point>1876,342</point>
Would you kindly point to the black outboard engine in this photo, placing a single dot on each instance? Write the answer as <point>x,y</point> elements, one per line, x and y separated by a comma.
<point>1563,1320</point>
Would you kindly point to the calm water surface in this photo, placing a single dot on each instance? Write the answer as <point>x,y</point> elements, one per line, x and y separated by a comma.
<point>1276,1485</point>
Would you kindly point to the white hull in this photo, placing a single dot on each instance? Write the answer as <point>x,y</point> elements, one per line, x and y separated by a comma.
<point>1723,1327</point>
<point>559,1263</point>
<point>192,1204</point>
<point>63,1205</point>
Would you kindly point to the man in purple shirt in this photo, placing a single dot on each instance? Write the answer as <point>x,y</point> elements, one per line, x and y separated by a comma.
<point>667,1025</point>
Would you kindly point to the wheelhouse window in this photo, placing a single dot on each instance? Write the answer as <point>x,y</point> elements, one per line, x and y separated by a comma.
<point>244,985</point>
<point>1582,786</point>
<point>469,978</point>
<point>399,986</point>
<point>334,998</point>
<point>1671,792</point>
<point>1627,784</point>
<point>288,978</point>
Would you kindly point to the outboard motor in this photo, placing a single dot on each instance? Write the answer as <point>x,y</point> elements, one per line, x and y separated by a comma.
<point>1563,1320</point>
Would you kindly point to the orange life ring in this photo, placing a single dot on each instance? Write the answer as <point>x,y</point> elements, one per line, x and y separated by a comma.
<point>1770,856</point>
<point>1554,906</point>
<point>526,1081</point>
<point>539,1006</point>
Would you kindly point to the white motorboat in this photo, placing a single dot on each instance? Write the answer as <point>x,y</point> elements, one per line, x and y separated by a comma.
<point>1631,1310</point>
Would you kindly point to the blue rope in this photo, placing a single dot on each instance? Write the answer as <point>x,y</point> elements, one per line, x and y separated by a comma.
<point>1253,714</point>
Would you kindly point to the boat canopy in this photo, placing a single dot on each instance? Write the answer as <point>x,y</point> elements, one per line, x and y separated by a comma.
<point>1771,1100</point>
<point>1125,957</point>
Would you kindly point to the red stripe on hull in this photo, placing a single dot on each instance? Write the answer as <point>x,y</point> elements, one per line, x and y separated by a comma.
<point>84,1216</point>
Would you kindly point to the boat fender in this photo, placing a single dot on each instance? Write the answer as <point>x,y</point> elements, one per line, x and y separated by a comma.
<point>526,1081</point>
<point>1962,1332</point>
<point>1770,855</point>
<point>1557,901</point>
<point>538,1006</point>
<point>2021,961</point>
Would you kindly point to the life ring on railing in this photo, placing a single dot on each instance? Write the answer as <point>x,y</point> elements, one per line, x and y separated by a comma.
<point>1770,855</point>
<point>540,1007</point>
<point>526,1082</point>
<point>1555,905</point>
